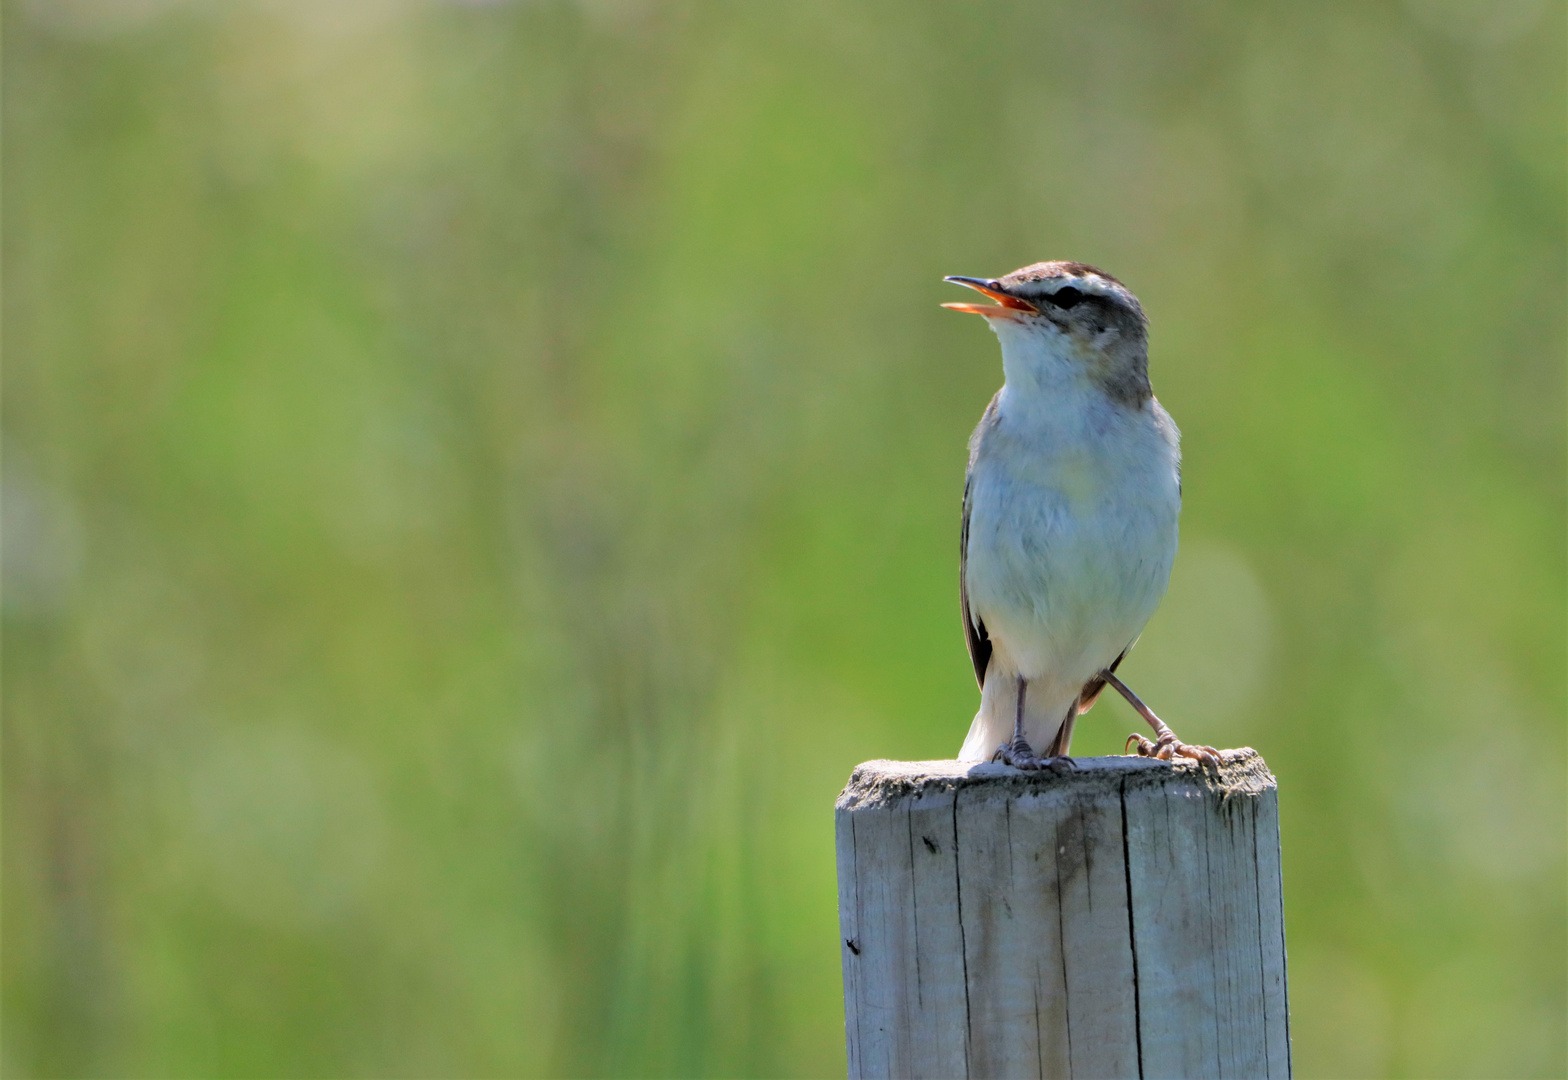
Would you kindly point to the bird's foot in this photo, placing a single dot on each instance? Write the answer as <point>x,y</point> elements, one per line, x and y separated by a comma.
<point>1168,746</point>
<point>1020,755</point>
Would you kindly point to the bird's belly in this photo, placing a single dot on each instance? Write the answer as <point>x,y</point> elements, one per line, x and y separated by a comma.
<point>1065,578</point>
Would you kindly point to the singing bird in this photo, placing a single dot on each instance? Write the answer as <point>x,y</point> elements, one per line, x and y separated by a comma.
<point>1071,502</point>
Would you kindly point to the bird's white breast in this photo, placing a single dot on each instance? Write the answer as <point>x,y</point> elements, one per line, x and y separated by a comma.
<point>1073,526</point>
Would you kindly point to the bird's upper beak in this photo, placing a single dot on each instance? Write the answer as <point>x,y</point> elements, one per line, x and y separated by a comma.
<point>1008,303</point>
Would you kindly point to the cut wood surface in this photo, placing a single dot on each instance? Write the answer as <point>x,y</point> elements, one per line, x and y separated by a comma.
<point>1120,919</point>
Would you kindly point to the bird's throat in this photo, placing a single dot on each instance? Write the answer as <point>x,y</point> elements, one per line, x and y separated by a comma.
<point>1041,363</point>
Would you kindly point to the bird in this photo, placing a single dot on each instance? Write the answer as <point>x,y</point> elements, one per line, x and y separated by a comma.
<point>1072,497</point>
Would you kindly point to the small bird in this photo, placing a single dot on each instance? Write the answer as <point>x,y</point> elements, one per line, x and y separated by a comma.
<point>1071,502</point>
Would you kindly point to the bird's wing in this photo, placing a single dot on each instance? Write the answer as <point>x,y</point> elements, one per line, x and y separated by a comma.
<point>974,629</point>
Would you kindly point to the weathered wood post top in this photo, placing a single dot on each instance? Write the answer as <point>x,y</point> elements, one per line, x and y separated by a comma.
<point>1123,918</point>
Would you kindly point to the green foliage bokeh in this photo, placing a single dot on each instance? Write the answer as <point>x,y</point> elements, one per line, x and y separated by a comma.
<point>479,475</point>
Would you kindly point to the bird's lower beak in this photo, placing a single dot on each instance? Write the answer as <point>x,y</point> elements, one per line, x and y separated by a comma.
<point>1009,305</point>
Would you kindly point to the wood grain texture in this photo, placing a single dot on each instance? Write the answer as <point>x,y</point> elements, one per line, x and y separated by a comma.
<point>1124,919</point>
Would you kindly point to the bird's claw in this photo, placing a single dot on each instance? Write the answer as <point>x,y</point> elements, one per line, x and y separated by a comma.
<point>1168,746</point>
<point>1020,755</point>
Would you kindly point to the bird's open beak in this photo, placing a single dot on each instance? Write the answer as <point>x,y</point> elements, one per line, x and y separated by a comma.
<point>1008,304</point>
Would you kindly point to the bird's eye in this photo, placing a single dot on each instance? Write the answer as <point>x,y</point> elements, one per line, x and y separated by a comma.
<point>1065,298</point>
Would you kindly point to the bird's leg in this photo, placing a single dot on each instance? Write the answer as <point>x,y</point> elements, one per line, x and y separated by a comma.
<point>1165,745</point>
<point>1018,753</point>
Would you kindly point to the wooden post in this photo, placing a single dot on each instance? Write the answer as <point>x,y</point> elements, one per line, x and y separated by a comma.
<point>1123,919</point>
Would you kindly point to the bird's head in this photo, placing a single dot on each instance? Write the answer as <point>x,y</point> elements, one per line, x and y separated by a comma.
<point>1073,311</point>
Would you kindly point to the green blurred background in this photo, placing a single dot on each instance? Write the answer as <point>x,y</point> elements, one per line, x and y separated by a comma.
<point>477,477</point>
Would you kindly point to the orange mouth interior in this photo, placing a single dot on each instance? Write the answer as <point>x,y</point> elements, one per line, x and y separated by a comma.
<point>1004,303</point>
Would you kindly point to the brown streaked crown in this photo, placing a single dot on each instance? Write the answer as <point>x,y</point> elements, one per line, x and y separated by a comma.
<point>1041,271</point>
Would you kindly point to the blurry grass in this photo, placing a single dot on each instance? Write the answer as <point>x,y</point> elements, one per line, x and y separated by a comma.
<point>477,477</point>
